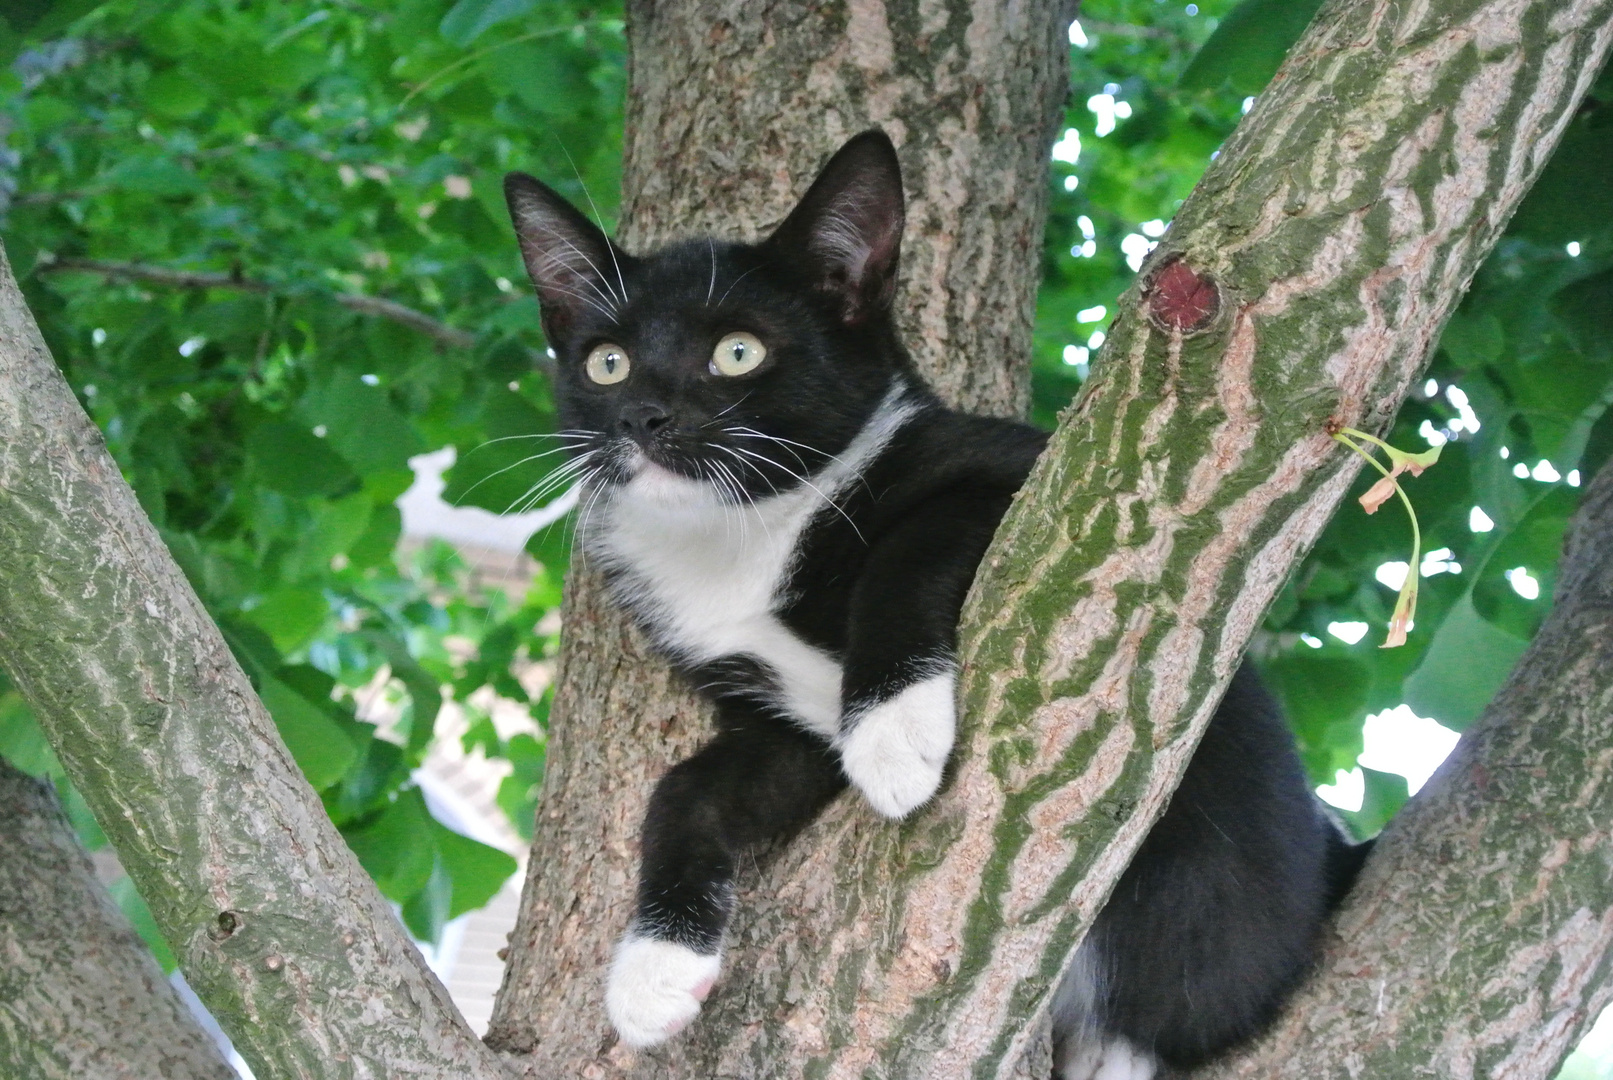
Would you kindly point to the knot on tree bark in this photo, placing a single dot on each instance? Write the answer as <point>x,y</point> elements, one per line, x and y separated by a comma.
<point>1180,299</point>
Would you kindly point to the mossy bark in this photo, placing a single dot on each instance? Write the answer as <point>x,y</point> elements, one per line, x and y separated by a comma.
<point>1302,286</point>
<point>275,924</point>
<point>80,994</point>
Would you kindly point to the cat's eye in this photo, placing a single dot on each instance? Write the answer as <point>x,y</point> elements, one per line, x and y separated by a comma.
<point>607,364</point>
<point>737,354</point>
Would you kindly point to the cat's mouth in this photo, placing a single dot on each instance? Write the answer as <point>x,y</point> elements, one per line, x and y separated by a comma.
<point>692,474</point>
<point>635,463</point>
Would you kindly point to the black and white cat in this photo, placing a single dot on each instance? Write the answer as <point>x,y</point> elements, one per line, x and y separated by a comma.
<point>794,519</point>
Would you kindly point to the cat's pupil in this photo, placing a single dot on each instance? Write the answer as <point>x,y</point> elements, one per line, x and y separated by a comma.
<point>739,352</point>
<point>610,363</point>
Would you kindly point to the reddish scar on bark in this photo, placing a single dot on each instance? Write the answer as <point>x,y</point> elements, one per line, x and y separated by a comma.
<point>1181,299</point>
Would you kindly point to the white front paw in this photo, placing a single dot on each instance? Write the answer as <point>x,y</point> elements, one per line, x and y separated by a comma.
<point>656,987</point>
<point>894,752</point>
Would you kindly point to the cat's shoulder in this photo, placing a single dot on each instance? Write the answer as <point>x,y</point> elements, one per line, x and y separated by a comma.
<point>941,448</point>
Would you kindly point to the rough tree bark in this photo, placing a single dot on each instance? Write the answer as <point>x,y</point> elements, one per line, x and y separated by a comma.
<point>1479,941</point>
<point>273,921</point>
<point>732,107</point>
<point>80,995</point>
<point>1303,285</point>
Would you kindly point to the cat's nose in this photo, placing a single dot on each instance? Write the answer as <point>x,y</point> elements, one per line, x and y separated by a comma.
<point>643,420</point>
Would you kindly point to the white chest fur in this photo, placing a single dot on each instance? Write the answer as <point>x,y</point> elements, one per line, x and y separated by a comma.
<point>706,575</point>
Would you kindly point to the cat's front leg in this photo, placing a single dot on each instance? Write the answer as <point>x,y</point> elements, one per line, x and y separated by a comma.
<point>899,714</point>
<point>761,777</point>
<point>894,745</point>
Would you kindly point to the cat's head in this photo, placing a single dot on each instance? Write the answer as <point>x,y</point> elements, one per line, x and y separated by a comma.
<point>743,366</point>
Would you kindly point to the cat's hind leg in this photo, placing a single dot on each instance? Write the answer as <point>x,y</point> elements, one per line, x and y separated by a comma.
<point>1082,1048</point>
<point>761,777</point>
<point>1112,1058</point>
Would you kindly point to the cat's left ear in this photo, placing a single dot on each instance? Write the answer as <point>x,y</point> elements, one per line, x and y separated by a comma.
<point>847,228</point>
<point>574,266</point>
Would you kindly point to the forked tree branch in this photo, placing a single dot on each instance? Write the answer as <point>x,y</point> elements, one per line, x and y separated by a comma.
<point>275,924</point>
<point>1302,286</point>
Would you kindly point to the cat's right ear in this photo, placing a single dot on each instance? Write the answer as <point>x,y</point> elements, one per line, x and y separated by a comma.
<point>574,266</point>
<point>847,229</point>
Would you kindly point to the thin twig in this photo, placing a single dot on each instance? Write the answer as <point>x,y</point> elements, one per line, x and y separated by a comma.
<point>440,332</point>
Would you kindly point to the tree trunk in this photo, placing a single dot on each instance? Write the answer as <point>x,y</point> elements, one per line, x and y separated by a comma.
<point>1302,286</point>
<point>80,995</point>
<point>272,919</point>
<point>1478,941</point>
<point>732,107</point>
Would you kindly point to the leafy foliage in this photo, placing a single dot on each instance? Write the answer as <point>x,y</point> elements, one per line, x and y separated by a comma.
<point>307,153</point>
<point>313,152</point>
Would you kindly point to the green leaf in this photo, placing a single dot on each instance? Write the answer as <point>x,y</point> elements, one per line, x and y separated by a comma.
<point>1248,47</point>
<point>148,175</point>
<point>398,847</point>
<point>1324,698</point>
<point>1384,796</point>
<point>381,770</point>
<point>1464,666</point>
<point>254,650</point>
<point>469,19</point>
<point>176,94</point>
<point>22,742</point>
<point>28,21</point>
<point>551,546</point>
<point>1473,340</point>
<point>477,870</point>
<point>426,912</point>
<point>1586,309</point>
<point>291,616</point>
<point>549,76</point>
<point>518,793</point>
<point>294,461</point>
<point>425,692</point>
<point>361,424</point>
<point>498,474</point>
<point>322,750</point>
<point>375,545</point>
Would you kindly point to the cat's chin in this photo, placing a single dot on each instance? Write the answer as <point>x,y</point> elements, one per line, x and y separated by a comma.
<point>659,484</point>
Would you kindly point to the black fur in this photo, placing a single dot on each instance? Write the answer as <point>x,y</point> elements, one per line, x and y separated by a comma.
<point>1218,915</point>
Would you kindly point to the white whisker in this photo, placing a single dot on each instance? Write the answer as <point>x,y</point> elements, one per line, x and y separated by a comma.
<point>712,287</point>
<point>827,501</point>
<point>599,222</point>
<point>736,281</point>
<point>534,457</point>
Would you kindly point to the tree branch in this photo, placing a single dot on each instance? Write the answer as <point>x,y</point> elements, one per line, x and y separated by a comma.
<point>275,924</point>
<point>1304,284</point>
<point>1477,942</point>
<point>449,336</point>
<point>83,995</point>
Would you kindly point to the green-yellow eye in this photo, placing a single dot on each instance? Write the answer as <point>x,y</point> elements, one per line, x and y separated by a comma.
<point>607,364</point>
<point>737,354</point>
